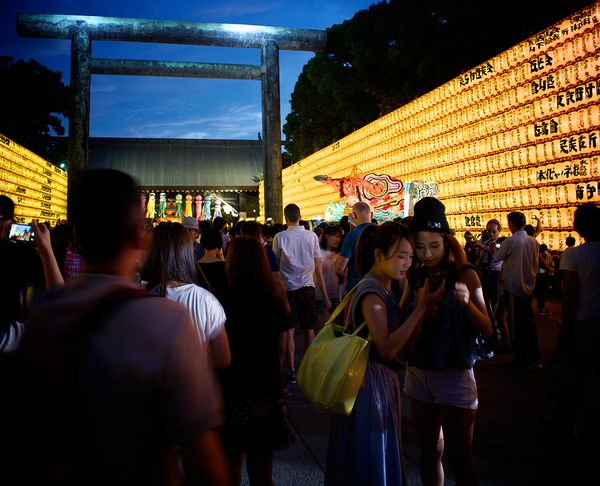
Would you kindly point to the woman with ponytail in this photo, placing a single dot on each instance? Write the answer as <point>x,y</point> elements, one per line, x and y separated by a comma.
<point>439,379</point>
<point>365,447</point>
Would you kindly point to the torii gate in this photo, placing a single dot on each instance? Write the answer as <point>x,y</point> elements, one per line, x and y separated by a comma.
<point>83,29</point>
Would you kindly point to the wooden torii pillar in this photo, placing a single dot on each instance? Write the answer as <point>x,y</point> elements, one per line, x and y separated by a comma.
<point>83,29</point>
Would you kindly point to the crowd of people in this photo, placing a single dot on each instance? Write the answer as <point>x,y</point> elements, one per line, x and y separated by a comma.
<point>159,352</point>
<point>539,274</point>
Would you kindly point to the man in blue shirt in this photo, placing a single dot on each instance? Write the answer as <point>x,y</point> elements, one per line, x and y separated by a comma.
<point>361,213</point>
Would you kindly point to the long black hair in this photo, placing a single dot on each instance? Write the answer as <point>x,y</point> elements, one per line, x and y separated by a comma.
<point>330,230</point>
<point>171,258</point>
<point>384,238</point>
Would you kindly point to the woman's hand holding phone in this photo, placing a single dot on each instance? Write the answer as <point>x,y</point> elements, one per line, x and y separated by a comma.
<point>429,298</point>
<point>42,240</point>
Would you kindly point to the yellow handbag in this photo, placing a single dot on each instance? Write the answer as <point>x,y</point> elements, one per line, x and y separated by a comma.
<point>333,368</point>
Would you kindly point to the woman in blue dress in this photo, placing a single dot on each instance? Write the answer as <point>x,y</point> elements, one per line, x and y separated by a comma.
<point>365,447</point>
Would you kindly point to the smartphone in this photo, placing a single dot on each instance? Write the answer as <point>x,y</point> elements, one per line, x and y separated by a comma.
<point>21,232</point>
<point>436,280</point>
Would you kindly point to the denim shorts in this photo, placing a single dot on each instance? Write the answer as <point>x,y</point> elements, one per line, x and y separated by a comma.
<point>453,387</point>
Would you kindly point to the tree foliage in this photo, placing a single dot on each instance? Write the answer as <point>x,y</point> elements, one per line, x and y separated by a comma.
<point>392,53</point>
<point>34,97</point>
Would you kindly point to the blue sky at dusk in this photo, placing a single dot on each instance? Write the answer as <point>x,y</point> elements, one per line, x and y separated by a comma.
<point>154,107</point>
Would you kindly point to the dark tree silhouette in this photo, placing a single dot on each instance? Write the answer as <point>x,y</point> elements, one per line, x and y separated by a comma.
<point>33,98</point>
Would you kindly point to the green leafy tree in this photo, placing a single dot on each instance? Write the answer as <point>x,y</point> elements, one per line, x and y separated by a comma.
<point>34,97</point>
<point>396,51</point>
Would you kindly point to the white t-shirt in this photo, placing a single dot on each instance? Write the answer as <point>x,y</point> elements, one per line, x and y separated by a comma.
<point>520,255</point>
<point>206,311</point>
<point>584,260</point>
<point>296,250</point>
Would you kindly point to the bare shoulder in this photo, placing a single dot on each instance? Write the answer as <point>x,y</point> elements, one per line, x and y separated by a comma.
<point>470,278</point>
<point>372,303</point>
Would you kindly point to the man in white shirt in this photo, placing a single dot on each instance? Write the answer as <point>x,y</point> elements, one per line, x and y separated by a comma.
<point>520,254</point>
<point>299,256</point>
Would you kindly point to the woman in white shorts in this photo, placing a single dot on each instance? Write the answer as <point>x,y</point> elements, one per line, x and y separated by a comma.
<point>439,378</point>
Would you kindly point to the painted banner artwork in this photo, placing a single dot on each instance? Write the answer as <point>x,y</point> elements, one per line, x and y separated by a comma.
<point>416,190</point>
<point>383,193</point>
<point>334,211</point>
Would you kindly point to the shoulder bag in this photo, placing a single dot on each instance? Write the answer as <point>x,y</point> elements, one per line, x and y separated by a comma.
<point>333,368</point>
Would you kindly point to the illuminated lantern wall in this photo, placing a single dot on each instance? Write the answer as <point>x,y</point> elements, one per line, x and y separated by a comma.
<point>519,132</point>
<point>38,188</point>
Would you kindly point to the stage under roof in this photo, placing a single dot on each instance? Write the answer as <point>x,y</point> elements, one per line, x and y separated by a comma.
<point>182,164</point>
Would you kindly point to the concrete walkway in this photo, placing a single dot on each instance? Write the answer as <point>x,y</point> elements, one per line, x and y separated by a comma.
<point>511,446</point>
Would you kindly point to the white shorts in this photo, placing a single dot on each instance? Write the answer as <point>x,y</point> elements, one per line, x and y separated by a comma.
<point>453,387</point>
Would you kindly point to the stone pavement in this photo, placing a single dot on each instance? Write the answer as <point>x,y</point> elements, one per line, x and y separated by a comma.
<point>511,445</point>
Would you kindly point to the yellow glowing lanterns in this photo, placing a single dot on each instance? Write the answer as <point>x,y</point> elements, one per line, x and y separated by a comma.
<point>38,188</point>
<point>519,132</point>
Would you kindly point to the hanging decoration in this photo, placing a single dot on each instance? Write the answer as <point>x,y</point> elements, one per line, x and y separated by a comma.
<point>217,213</point>
<point>206,214</point>
<point>179,206</point>
<point>162,205</point>
<point>199,207</point>
<point>150,209</point>
<point>188,206</point>
<point>225,207</point>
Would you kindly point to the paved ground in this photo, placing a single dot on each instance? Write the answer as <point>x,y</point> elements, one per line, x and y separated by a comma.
<point>511,446</point>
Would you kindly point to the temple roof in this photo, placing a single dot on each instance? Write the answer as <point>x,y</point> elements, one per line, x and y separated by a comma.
<point>182,164</point>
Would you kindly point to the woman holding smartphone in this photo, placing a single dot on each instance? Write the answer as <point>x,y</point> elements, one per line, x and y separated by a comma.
<point>439,379</point>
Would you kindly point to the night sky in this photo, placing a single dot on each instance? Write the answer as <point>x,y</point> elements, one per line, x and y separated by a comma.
<point>154,107</point>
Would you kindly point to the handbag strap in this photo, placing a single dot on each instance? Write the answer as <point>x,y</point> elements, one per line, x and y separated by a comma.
<point>204,277</point>
<point>339,309</point>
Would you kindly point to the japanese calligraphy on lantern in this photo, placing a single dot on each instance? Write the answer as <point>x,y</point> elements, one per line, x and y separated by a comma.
<point>518,132</point>
<point>38,188</point>
<point>477,73</point>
